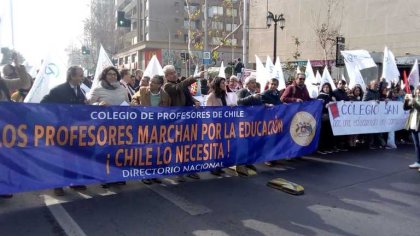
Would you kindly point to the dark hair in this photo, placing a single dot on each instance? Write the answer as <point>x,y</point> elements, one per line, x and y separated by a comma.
<point>159,78</point>
<point>71,71</point>
<point>215,87</point>
<point>106,70</point>
<point>329,86</point>
<point>357,86</point>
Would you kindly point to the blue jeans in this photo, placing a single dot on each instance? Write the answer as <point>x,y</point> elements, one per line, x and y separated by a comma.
<point>416,140</point>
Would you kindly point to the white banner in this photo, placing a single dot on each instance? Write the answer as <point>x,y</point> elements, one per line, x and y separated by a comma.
<point>366,117</point>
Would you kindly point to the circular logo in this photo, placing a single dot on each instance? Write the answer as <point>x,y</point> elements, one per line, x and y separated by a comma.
<point>52,70</point>
<point>303,128</point>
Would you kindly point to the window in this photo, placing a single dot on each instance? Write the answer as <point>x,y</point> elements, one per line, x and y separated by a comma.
<point>217,25</point>
<point>230,27</point>
<point>216,40</point>
<point>187,24</point>
<point>215,11</point>
<point>233,42</point>
<point>133,58</point>
<point>126,60</point>
<point>229,12</point>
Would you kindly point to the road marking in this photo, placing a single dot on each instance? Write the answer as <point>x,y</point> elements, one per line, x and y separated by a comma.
<point>338,162</point>
<point>62,217</point>
<point>184,204</point>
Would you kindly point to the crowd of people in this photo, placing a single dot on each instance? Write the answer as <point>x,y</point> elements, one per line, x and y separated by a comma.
<point>117,87</point>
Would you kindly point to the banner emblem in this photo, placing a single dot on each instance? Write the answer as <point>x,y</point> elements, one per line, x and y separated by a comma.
<point>303,128</point>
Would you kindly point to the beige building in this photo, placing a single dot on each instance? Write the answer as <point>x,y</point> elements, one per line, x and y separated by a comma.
<point>365,24</point>
<point>160,27</point>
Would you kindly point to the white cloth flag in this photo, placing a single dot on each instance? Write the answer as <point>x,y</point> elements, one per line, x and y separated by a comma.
<point>103,62</point>
<point>326,78</point>
<point>52,73</point>
<point>310,81</point>
<point>318,77</point>
<point>222,73</point>
<point>196,73</point>
<point>280,75</point>
<point>359,59</point>
<point>389,67</point>
<point>262,74</point>
<point>153,68</point>
<point>413,78</point>
<point>355,77</point>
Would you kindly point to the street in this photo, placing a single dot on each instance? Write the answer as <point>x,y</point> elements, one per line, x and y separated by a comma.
<point>362,192</point>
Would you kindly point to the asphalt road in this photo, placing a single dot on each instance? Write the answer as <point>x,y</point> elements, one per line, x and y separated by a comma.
<point>365,192</point>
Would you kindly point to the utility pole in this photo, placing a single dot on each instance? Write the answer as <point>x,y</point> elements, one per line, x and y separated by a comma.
<point>245,35</point>
<point>205,35</point>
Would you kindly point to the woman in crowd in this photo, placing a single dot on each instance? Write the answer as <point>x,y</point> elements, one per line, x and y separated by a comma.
<point>413,122</point>
<point>326,141</point>
<point>217,97</point>
<point>356,95</point>
<point>109,93</point>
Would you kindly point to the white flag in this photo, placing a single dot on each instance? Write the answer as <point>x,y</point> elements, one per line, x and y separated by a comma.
<point>359,59</point>
<point>413,78</point>
<point>52,73</point>
<point>280,75</point>
<point>389,67</point>
<point>222,71</point>
<point>326,78</point>
<point>355,77</point>
<point>262,73</point>
<point>103,62</point>
<point>310,81</point>
<point>153,68</point>
<point>318,77</point>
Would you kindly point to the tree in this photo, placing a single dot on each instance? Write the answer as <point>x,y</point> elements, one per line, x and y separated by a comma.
<point>196,35</point>
<point>327,27</point>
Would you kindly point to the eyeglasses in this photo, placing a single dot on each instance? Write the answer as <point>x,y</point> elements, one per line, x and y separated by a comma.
<point>301,78</point>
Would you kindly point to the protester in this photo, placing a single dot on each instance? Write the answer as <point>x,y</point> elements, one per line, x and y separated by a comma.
<point>297,91</point>
<point>69,93</point>
<point>127,83</point>
<point>356,95</point>
<point>373,94</point>
<point>326,140</point>
<point>233,85</point>
<point>248,96</point>
<point>20,79</point>
<point>238,68</point>
<point>152,95</point>
<point>271,95</point>
<point>413,122</point>
<point>138,76</point>
<point>341,94</point>
<point>110,91</point>
<point>180,96</point>
<point>218,97</point>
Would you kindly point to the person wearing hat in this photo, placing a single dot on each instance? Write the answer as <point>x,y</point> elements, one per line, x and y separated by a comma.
<point>248,96</point>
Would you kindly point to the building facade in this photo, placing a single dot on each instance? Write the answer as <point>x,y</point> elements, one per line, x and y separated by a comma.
<point>160,27</point>
<point>369,25</point>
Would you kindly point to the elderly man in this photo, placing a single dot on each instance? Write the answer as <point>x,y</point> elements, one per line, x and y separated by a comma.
<point>180,96</point>
<point>297,91</point>
<point>233,85</point>
<point>248,96</point>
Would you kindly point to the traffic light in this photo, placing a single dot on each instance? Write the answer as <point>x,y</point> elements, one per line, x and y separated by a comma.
<point>85,50</point>
<point>122,21</point>
<point>339,46</point>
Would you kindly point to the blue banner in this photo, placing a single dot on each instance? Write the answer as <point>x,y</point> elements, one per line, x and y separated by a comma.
<point>52,145</point>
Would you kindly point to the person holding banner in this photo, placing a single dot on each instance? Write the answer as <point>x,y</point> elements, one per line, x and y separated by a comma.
<point>152,95</point>
<point>271,95</point>
<point>297,91</point>
<point>373,94</point>
<point>69,93</point>
<point>217,97</point>
<point>127,82</point>
<point>413,122</point>
<point>180,96</point>
<point>326,141</point>
<point>248,96</point>
<point>110,92</point>
<point>356,95</point>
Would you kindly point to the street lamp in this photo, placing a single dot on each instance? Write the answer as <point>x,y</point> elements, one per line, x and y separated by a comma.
<point>277,19</point>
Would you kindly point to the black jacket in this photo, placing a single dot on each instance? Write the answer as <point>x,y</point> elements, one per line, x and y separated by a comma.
<point>63,93</point>
<point>245,98</point>
<point>271,97</point>
<point>341,95</point>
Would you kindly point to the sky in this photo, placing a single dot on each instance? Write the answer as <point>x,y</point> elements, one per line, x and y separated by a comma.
<point>41,26</point>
